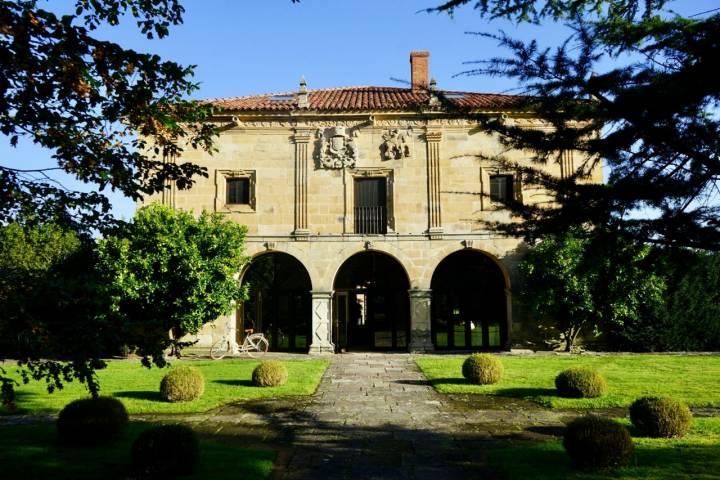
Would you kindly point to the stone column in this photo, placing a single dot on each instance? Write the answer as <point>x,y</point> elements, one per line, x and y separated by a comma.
<point>567,167</point>
<point>420,317</point>
<point>168,194</point>
<point>321,324</point>
<point>301,139</point>
<point>433,184</point>
<point>508,306</point>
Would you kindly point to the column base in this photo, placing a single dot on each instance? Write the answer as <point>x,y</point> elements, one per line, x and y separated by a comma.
<point>301,234</point>
<point>420,342</point>
<point>435,233</point>
<point>321,350</point>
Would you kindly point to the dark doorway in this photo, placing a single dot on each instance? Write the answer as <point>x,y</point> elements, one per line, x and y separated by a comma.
<point>371,309</point>
<point>469,309</point>
<point>280,302</point>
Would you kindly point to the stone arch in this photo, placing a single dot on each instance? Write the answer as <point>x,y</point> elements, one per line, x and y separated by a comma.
<point>471,301</point>
<point>297,254</point>
<point>279,303</point>
<point>354,250</point>
<point>371,298</point>
<point>425,275</point>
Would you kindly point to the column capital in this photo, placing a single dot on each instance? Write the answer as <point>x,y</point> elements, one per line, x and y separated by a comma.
<point>321,293</point>
<point>420,293</point>
<point>433,136</point>
<point>302,136</point>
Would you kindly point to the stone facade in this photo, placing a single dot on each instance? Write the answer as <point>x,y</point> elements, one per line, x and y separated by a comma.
<point>301,167</point>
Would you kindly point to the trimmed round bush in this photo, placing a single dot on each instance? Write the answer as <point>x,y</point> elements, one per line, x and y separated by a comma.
<point>660,417</point>
<point>270,373</point>
<point>482,369</point>
<point>165,452</point>
<point>182,384</point>
<point>596,443</point>
<point>91,421</point>
<point>580,382</point>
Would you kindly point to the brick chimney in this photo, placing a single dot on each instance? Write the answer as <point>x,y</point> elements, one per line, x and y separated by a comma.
<point>419,70</point>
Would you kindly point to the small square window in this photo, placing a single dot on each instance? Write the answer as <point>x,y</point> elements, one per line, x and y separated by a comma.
<point>238,191</point>
<point>235,191</point>
<point>501,188</point>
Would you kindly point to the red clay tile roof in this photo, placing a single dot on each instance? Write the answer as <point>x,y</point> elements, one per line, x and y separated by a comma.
<point>368,98</point>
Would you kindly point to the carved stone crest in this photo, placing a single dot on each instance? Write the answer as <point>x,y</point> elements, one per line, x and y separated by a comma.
<point>337,148</point>
<point>396,145</point>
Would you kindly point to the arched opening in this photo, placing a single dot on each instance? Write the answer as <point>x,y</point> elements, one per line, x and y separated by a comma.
<point>371,304</point>
<point>469,308</point>
<point>280,301</point>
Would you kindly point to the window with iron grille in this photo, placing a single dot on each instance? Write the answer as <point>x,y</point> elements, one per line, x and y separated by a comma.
<point>501,188</point>
<point>238,191</point>
<point>371,205</point>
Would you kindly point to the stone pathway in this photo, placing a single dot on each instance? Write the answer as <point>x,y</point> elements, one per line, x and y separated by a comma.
<point>375,416</point>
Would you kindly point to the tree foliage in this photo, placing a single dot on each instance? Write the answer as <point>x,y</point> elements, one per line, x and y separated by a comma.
<point>690,316</point>
<point>633,86</point>
<point>110,116</point>
<point>169,271</point>
<point>66,303</point>
<point>693,313</point>
<point>579,283</point>
<point>51,313</point>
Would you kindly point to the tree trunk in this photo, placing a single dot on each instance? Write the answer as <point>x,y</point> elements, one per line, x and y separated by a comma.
<point>570,337</point>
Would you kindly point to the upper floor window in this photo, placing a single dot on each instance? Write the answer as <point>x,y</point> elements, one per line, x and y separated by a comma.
<point>501,188</point>
<point>237,191</point>
<point>371,205</point>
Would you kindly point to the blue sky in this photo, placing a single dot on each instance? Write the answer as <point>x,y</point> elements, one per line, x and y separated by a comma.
<point>247,47</point>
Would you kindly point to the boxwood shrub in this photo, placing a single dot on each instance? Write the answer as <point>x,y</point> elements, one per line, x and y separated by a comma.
<point>91,421</point>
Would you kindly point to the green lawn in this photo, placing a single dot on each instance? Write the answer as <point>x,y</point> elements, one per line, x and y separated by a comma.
<point>692,379</point>
<point>695,457</point>
<point>138,388</point>
<point>32,451</point>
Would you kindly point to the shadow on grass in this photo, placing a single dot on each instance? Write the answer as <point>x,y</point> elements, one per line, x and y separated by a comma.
<point>140,395</point>
<point>547,430</point>
<point>235,383</point>
<point>435,382</point>
<point>526,392</point>
<point>546,461</point>
<point>20,405</point>
<point>33,451</point>
<point>319,447</point>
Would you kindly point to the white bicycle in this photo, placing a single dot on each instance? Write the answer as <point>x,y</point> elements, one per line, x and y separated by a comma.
<point>253,345</point>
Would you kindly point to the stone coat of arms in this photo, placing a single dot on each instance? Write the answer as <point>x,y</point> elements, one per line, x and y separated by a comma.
<point>337,149</point>
<point>396,145</point>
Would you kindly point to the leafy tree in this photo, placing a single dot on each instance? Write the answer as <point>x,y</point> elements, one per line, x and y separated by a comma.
<point>688,318</point>
<point>692,319</point>
<point>111,116</point>
<point>581,283</point>
<point>170,272</point>
<point>655,107</point>
<point>51,318</point>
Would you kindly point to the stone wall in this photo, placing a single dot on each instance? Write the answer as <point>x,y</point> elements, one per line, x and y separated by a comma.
<point>438,173</point>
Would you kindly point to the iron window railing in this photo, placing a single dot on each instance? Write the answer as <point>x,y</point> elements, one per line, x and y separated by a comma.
<point>372,220</point>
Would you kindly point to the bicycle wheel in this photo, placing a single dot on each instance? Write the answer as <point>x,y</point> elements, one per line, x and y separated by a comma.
<point>219,349</point>
<point>258,347</point>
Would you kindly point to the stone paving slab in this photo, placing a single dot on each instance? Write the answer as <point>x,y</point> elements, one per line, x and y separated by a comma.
<point>376,416</point>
